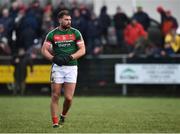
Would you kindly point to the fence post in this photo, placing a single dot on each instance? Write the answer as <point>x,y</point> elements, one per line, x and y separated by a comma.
<point>124,86</point>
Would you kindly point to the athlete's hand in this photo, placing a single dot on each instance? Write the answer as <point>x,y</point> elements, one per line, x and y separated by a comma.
<point>67,58</point>
<point>62,59</point>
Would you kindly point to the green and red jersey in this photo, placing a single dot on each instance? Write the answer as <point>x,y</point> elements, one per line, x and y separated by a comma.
<point>64,41</point>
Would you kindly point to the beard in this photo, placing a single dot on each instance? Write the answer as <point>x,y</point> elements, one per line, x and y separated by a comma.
<point>67,26</point>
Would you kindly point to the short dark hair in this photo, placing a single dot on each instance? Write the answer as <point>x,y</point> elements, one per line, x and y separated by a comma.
<point>62,13</point>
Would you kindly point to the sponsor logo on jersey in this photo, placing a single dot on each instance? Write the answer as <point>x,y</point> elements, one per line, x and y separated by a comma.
<point>64,45</point>
<point>64,38</point>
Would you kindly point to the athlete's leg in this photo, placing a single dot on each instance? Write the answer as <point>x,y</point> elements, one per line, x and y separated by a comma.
<point>69,89</point>
<point>55,94</point>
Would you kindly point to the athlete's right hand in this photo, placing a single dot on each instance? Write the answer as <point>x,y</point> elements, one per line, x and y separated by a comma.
<point>59,60</point>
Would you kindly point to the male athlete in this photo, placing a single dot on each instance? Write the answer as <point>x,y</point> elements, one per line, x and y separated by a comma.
<point>63,46</point>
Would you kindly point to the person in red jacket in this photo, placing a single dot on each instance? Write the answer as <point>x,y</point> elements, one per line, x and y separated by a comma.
<point>132,33</point>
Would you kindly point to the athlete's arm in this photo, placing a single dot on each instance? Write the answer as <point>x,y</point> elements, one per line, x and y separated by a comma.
<point>47,53</point>
<point>80,52</point>
<point>45,50</point>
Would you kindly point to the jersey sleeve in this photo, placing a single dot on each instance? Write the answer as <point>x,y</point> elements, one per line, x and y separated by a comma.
<point>49,38</point>
<point>79,38</point>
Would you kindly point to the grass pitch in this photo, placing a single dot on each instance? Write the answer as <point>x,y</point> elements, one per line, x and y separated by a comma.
<point>92,115</point>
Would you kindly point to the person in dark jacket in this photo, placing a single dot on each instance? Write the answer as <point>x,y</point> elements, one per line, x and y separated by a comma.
<point>20,62</point>
<point>120,20</point>
<point>79,23</point>
<point>105,22</point>
<point>142,17</point>
<point>93,34</point>
<point>8,24</point>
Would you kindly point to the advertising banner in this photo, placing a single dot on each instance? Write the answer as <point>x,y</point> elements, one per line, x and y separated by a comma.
<point>147,73</point>
<point>41,74</point>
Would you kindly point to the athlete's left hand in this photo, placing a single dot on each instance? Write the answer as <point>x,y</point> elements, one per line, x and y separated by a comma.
<point>62,59</point>
<point>67,58</point>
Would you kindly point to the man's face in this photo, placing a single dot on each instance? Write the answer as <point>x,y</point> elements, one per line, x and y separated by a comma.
<point>65,22</point>
<point>133,22</point>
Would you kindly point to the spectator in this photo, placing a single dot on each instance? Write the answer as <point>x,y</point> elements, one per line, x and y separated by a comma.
<point>35,15</point>
<point>18,29</point>
<point>94,46</point>
<point>60,7</point>
<point>145,47</point>
<point>80,23</point>
<point>48,8</point>
<point>155,36</point>
<point>8,24</point>
<point>20,61</point>
<point>168,22</point>
<point>4,46</point>
<point>142,18</point>
<point>120,20</point>
<point>74,5</point>
<point>105,22</point>
<point>47,22</point>
<point>150,46</point>
<point>47,25</point>
<point>172,42</point>
<point>26,29</point>
<point>85,13</point>
<point>132,33</point>
<point>14,10</point>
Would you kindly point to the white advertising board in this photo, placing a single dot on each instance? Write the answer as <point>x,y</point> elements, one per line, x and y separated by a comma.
<point>147,73</point>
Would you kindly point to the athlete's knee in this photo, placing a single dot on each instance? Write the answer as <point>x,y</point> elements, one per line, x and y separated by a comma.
<point>55,96</point>
<point>69,99</point>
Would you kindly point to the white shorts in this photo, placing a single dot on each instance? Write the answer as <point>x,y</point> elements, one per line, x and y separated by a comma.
<point>62,74</point>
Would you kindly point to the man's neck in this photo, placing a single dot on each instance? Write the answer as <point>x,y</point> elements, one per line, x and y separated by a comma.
<point>63,29</point>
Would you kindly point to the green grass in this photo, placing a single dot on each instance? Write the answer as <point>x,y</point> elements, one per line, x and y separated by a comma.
<point>92,114</point>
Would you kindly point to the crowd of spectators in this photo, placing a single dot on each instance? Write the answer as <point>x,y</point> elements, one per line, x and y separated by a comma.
<point>25,26</point>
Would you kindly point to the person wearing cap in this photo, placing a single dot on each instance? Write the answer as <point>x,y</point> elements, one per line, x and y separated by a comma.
<point>168,21</point>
